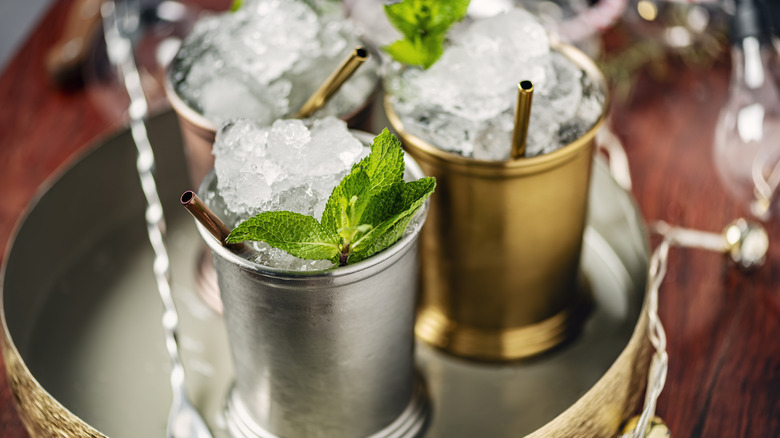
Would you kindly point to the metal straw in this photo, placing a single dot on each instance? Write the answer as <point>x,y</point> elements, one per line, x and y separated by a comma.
<point>183,419</point>
<point>210,221</point>
<point>525,94</point>
<point>332,84</point>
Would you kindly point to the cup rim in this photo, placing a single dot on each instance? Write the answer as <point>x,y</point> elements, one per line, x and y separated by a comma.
<point>181,107</point>
<point>387,256</point>
<point>423,150</point>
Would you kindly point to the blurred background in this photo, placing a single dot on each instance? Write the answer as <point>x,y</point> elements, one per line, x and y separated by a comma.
<point>17,19</point>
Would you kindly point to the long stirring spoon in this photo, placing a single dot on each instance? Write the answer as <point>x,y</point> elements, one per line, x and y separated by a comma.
<point>183,419</point>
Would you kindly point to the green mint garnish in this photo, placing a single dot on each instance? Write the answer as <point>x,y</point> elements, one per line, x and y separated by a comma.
<point>367,212</point>
<point>236,5</point>
<point>424,25</point>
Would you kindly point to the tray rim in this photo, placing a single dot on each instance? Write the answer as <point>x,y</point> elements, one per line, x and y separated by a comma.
<point>33,403</point>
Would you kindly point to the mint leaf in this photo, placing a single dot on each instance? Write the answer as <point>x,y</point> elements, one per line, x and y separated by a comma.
<point>416,192</point>
<point>446,13</point>
<point>423,52</point>
<point>408,16</point>
<point>424,24</point>
<point>380,170</point>
<point>376,242</point>
<point>385,163</point>
<point>367,212</point>
<point>347,200</point>
<point>383,205</point>
<point>236,5</point>
<point>298,234</point>
<point>412,197</point>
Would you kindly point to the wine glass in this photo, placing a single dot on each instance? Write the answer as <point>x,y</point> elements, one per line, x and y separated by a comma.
<point>747,135</point>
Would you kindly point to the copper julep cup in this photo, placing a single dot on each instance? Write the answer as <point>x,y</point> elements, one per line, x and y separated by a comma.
<point>501,247</point>
<point>198,132</point>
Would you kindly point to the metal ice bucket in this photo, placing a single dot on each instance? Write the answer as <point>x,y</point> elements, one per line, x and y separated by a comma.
<point>501,247</point>
<point>323,354</point>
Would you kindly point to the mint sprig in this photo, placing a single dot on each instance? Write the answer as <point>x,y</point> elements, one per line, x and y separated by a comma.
<point>236,5</point>
<point>367,212</point>
<point>424,25</point>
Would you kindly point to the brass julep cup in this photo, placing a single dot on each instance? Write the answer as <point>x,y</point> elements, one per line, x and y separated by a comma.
<point>501,247</point>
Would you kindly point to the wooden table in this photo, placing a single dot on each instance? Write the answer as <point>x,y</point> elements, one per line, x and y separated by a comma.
<point>724,373</point>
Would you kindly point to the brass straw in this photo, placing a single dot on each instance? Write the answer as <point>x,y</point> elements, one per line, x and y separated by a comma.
<point>336,79</point>
<point>209,220</point>
<point>525,94</point>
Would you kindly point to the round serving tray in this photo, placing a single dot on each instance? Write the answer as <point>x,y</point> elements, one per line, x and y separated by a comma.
<point>84,346</point>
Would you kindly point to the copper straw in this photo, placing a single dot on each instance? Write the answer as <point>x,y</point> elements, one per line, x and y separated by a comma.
<point>209,220</point>
<point>336,79</point>
<point>525,94</point>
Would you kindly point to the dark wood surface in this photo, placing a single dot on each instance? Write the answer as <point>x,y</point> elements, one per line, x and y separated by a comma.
<point>722,325</point>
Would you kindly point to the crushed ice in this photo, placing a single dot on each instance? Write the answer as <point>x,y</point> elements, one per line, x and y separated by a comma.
<point>264,60</point>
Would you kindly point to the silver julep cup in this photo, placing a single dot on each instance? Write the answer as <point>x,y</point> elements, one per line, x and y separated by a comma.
<point>327,353</point>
